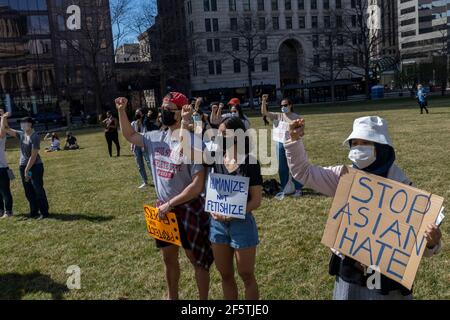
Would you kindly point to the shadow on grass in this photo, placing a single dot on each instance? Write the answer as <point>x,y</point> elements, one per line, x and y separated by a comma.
<point>72,217</point>
<point>14,286</point>
<point>77,216</point>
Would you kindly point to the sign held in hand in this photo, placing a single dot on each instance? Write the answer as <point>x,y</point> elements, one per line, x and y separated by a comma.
<point>381,223</point>
<point>162,229</point>
<point>227,195</point>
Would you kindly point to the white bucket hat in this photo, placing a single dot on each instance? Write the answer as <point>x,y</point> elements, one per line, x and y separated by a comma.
<point>372,128</point>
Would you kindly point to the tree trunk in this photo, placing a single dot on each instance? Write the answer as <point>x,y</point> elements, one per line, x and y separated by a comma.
<point>250,87</point>
<point>367,86</point>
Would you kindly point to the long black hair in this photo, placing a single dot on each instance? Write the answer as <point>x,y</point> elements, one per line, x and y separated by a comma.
<point>235,123</point>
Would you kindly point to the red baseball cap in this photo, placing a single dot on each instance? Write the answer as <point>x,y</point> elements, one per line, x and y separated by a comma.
<point>177,98</point>
<point>234,101</point>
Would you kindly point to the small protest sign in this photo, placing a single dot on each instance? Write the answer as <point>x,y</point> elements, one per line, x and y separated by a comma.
<point>381,223</point>
<point>162,229</point>
<point>227,195</point>
<point>280,132</point>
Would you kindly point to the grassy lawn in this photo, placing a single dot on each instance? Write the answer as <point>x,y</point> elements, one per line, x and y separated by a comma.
<point>97,221</point>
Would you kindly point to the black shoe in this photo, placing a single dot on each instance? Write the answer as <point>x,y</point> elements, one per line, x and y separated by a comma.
<point>41,217</point>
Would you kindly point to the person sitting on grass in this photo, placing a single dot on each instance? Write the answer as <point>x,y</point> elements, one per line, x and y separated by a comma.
<point>71,142</point>
<point>56,143</point>
<point>371,150</point>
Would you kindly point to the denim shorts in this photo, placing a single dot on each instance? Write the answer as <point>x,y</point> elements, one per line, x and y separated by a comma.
<point>237,233</point>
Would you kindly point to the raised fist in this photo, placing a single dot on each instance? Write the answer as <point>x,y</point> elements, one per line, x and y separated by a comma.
<point>297,129</point>
<point>121,103</point>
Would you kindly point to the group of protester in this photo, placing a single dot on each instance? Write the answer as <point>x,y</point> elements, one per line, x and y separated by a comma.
<point>208,238</point>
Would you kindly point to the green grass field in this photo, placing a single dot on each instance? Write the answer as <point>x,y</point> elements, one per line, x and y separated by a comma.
<point>97,221</point>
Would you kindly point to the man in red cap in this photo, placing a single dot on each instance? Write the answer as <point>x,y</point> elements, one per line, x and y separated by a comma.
<point>178,186</point>
<point>234,102</point>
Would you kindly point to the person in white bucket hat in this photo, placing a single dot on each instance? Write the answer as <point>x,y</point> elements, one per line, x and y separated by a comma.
<point>371,150</point>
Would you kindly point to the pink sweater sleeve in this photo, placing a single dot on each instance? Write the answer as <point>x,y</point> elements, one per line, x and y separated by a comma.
<point>320,179</point>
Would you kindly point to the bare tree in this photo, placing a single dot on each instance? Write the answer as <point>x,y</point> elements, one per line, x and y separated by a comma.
<point>251,34</point>
<point>142,17</point>
<point>328,62</point>
<point>120,20</point>
<point>363,39</point>
<point>94,50</point>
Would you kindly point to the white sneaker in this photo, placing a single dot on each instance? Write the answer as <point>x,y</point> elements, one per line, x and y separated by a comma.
<point>298,193</point>
<point>279,196</point>
<point>142,186</point>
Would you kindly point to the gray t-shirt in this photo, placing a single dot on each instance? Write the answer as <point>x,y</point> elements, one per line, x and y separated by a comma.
<point>169,175</point>
<point>3,161</point>
<point>27,144</point>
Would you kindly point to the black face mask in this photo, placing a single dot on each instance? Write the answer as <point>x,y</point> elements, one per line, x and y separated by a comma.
<point>138,117</point>
<point>168,117</point>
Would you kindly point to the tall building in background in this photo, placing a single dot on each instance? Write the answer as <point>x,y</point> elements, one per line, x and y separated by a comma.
<point>423,28</point>
<point>49,53</point>
<point>424,40</point>
<point>170,46</point>
<point>289,36</point>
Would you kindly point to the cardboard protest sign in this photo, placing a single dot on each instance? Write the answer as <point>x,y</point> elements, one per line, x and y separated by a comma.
<point>227,195</point>
<point>381,222</point>
<point>159,229</point>
<point>280,132</point>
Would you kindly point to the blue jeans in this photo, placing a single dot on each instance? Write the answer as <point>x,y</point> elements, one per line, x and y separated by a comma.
<point>283,169</point>
<point>237,233</point>
<point>140,156</point>
<point>34,190</point>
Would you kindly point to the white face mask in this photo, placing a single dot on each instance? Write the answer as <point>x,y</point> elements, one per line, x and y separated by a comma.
<point>362,156</point>
<point>25,126</point>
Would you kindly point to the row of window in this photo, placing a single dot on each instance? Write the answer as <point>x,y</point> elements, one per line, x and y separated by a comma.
<point>215,66</point>
<point>214,45</point>
<point>212,24</point>
<point>211,5</point>
<point>25,5</point>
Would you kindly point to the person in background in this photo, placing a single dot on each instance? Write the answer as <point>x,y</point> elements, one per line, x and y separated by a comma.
<point>286,115</point>
<point>71,142</point>
<point>235,111</point>
<point>6,199</point>
<point>235,238</point>
<point>371,150</point>
<point>31,166</point>
<point>422,99</point>
<point>139,153</point>
<point>56,143</point>
<point>150,120</point>
<point>178,187</point>
<point>111,133</point>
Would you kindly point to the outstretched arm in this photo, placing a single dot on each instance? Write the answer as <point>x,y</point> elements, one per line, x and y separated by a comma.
<point>127,130</point>
<point>320,179</point>
<point>264,111</point>
<point>4,127</point>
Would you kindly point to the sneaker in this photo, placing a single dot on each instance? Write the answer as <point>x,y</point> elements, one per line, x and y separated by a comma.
<point>142,186</point>
<point>6,215</point>
<point>279,196</point>
<point>41,217</point>
<point>298,193</point>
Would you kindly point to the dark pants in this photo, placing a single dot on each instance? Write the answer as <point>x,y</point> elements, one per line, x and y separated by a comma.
<point>6,200</point>
<point>423,105</point>
<point>110,138</point>
<point>34,190</point>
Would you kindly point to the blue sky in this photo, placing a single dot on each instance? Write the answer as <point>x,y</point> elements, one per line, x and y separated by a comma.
<point>136,3</point>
